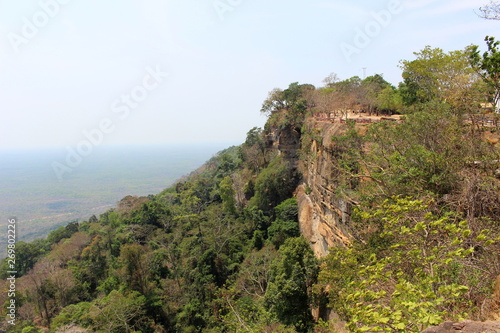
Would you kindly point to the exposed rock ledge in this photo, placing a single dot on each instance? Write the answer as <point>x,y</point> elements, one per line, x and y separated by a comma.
<point>466,327</point>
<point>323,216</point>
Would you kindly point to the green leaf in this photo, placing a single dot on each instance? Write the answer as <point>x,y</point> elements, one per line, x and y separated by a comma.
<point>399,326</point>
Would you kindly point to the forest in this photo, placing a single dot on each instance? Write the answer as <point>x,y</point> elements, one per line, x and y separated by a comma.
<point>222,250</point>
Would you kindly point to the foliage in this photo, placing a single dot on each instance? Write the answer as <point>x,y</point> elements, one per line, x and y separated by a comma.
<point>288,108</point>
<point>288,296</point>
<point>286,224</point>
<point>221,251</point>
<point>389,100</point>
<point>446,77</point>
<point>72,314</point>
<point>31,329</point>
<point>274,184</point>
<point>227,194</point>
<point>488,66</point>
<point>62,232</point>
<point>118,312</point>
<point>405,285</point>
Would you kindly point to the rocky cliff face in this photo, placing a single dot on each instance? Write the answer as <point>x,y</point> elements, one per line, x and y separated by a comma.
<point>466,327</point>
<point>324,217</point>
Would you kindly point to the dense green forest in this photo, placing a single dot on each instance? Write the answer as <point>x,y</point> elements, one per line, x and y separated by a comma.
<point>221,251</point>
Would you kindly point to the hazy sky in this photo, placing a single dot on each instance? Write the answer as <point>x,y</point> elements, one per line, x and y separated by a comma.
<point>167,71</point>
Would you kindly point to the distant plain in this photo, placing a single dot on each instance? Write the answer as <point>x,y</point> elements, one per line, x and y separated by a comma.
<point>31,192</point>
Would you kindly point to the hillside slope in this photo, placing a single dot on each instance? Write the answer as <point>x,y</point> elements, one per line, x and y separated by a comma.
<point>386,226</point>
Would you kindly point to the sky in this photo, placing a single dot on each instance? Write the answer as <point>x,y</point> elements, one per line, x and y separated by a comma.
<point>75,73</point>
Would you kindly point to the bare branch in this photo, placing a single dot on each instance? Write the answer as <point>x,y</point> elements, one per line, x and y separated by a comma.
<point>490,11</point>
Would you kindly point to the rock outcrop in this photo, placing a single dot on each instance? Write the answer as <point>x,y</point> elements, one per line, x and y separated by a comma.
<point>323,216</point>
<point>466,327</point>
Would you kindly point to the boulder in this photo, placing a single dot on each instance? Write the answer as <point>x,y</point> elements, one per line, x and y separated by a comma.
<point>466,327</point>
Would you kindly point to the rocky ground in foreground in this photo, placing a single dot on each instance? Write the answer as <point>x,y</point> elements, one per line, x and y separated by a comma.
<point>466,327</point>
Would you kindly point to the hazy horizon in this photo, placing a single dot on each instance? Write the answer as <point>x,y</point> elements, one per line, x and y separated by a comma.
<point>30,190</point>
<point>197,70</point>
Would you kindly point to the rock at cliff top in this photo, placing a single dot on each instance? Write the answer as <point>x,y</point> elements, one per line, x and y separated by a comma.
<point>466,327</point>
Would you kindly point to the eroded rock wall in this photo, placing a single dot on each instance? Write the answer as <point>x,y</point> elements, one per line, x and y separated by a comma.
<point>323,216</point>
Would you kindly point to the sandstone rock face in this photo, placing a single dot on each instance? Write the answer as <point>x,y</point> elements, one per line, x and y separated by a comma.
<point>323,216</point>
<point>466,327</point>
<point>285,141</point>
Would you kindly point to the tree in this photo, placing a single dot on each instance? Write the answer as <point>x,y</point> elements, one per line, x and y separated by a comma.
<point>227,194</point>
<point>286,224</point>
<point>275,101</point>
<point>39,290</point>
<point>440,76</point>
<point>27,254</point>
<point>118,312</point>
<point>410,277</point>
<point>490,11</point>
<point>389,100</point>
<point>151,213</point>
<point>370,89</point>
<point>255,272</point>
<point>347,94</point>
<point>72,314</point>
<point>62,232</point>
<point>293,100</point>
<point>274,184</point>
<point>488,66</point>
<point>135,271</point>
<point>288,294</point>
<point>331,79</point>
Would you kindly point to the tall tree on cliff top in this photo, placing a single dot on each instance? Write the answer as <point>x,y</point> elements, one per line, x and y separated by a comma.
<point>287,99</point>
<point>439,76</point>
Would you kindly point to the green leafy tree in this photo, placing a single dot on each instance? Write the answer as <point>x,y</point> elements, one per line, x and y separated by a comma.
<point>227,194</point>
<point>274,184</point>
<point>72,314</point>
<point>404,284</point>
<point>151,213</point>
<point>293,103</point>
<point>371,88</point>
<point>389,100</point>
<point>436,75</point>
<point>135,267</point>
<point>27,255</point>
<point>288,295</point>
<point>286,224</point>
<point>118,312</point>
<point>488,66</point>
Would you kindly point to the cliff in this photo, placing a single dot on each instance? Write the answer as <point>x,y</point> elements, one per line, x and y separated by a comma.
<point>324,216</point>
